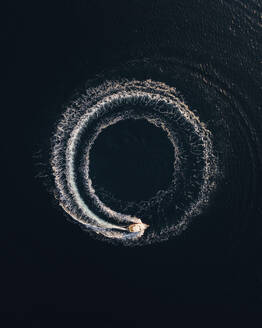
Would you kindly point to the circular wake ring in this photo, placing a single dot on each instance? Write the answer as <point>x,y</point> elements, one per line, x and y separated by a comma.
<point>106,105</point>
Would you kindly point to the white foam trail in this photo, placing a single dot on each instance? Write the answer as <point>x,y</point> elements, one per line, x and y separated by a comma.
<point>90,106</point>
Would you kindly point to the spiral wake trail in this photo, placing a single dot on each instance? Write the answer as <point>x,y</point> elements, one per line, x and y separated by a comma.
<point>195,164</point>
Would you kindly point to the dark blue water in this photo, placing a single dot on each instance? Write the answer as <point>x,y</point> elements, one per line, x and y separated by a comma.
<point>210,51</point>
